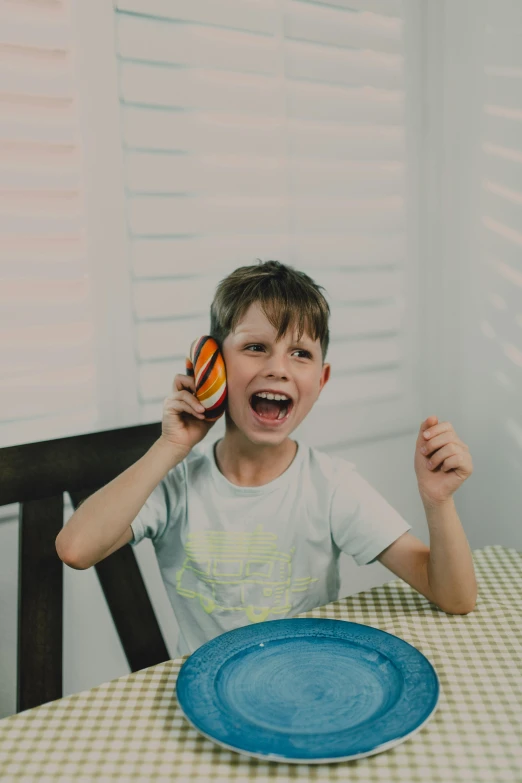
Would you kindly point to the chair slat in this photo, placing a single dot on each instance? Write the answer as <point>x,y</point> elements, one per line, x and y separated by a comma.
<point>131,609</point>
<point>129,604</point>
<point>40,603</point>
<point>47,468</point>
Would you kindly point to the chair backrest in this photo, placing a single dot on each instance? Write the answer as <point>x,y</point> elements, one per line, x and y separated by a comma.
<point>36,475</point>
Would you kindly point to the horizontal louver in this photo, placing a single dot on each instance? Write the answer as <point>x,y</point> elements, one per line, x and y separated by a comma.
<point>47,360</point>
<point>270,129</point>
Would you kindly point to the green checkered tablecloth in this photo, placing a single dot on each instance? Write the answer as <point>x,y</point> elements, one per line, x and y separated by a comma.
<point>131,728</point>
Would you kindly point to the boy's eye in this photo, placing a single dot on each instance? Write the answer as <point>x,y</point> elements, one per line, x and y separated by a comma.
<point>300,350</point>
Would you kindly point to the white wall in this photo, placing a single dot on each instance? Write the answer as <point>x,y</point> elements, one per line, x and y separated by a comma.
<point>471,284</point>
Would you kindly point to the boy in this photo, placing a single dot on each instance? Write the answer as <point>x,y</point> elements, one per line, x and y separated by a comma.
<point>251,528</point>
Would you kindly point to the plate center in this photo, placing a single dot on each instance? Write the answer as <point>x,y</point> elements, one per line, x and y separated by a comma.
<point>314,686</point>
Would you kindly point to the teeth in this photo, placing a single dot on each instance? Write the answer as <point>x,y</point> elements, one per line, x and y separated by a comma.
<point>270,396</point>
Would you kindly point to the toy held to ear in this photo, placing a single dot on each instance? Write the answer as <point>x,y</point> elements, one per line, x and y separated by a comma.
<point>206,365</point>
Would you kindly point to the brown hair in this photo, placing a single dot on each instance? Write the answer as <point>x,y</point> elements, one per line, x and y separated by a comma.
<point>286,296</point>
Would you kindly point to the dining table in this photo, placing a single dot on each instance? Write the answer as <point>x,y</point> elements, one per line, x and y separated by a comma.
<point>133,729</point>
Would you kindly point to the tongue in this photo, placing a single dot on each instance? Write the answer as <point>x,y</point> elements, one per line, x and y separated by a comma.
<point>268,408</point>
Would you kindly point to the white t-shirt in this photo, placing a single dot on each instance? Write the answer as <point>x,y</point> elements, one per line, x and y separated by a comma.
<point>231,555</point>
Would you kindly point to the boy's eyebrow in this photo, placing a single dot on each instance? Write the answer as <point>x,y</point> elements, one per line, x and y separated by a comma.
<point>259,336</point>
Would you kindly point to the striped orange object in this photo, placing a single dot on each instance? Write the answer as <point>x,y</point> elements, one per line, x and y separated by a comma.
<point>207,366</point>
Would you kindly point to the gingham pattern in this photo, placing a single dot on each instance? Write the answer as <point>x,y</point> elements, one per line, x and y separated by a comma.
<point>131,728</point>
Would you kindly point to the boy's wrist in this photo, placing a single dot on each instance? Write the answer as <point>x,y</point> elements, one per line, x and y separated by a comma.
<point>171,452</point>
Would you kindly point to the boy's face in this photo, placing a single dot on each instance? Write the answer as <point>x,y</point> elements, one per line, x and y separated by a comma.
<point>254,361</point>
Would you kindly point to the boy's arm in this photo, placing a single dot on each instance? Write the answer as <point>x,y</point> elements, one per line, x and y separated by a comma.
<point>442,572</point>
<point>101,524</point>
<point>450,566</point>
<point>408,558</point>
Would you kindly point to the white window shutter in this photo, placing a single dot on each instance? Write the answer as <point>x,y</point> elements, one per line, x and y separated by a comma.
<point>249,129</point>
<point>272,129</point>
<point>47,355</point>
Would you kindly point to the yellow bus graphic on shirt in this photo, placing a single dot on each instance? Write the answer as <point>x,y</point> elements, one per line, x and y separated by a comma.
<point>239,572</point>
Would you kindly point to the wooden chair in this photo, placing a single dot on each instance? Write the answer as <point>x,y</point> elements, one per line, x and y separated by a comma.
<point>36,475</point>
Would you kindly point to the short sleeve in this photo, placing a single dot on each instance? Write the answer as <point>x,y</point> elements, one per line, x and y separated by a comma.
<point>162,507</point>
<point>362,522</point>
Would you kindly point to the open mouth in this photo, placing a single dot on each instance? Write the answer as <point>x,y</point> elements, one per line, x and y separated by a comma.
<point>270,410</point>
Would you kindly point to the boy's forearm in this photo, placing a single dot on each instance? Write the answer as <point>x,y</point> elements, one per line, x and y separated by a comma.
<point>451,573</point>
<point>103,517</point>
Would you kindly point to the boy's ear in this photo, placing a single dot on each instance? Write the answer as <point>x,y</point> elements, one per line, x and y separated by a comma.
<point>325,375</point>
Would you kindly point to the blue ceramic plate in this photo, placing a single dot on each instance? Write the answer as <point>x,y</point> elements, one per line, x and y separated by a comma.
<point>307,690</point>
